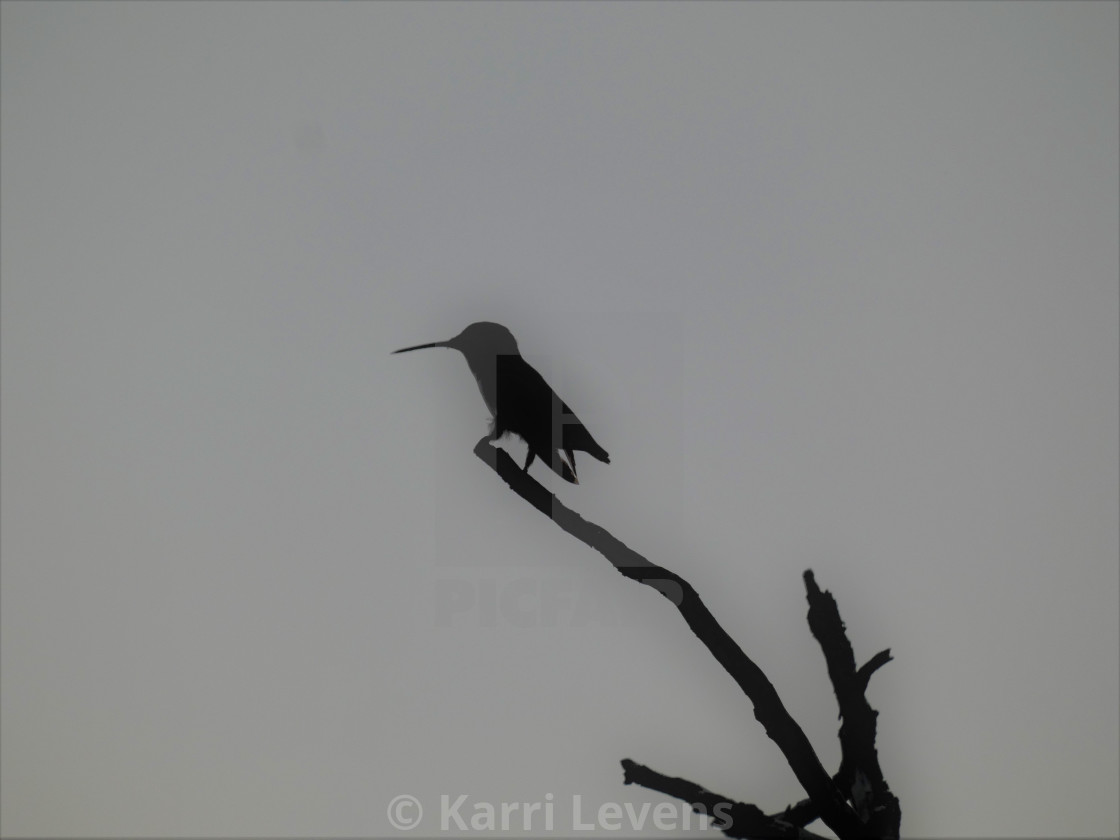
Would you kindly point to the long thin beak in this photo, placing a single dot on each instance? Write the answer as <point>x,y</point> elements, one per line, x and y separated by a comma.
<point>422,346</point>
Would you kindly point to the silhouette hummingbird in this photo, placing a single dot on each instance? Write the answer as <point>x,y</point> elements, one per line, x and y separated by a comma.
<point>519,399</point>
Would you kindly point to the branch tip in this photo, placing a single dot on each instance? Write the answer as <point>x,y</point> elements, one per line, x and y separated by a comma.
<point>810,582</point>
<point>873,664</point>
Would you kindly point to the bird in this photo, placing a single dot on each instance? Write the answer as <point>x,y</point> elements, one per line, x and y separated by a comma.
<point>519,399</point>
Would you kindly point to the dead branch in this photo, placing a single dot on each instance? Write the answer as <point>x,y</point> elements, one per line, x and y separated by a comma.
<point>828,797</point>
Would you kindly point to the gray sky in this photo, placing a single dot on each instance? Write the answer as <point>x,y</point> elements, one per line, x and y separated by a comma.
<point>836,286</point>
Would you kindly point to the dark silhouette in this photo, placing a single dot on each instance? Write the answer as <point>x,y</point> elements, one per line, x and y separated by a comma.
<point>520,400</point>
<point>856,801</point>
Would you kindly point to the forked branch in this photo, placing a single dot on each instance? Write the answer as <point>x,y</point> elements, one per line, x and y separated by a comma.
<point>828,797</point>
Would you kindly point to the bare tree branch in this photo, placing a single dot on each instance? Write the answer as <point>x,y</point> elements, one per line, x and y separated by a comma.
<point>801,813</point>
<point>735,819</point>
<point>859,773</point>
<point>780,726</point>
<point>872,665</point>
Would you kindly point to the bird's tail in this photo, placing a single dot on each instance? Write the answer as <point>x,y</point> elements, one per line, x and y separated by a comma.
<point>596,451</point>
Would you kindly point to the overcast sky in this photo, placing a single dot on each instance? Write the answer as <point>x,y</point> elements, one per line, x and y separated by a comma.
<point>836,285</point>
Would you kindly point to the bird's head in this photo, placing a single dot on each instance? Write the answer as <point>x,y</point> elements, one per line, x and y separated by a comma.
<point>485,338</point>
<point>480,340</point>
